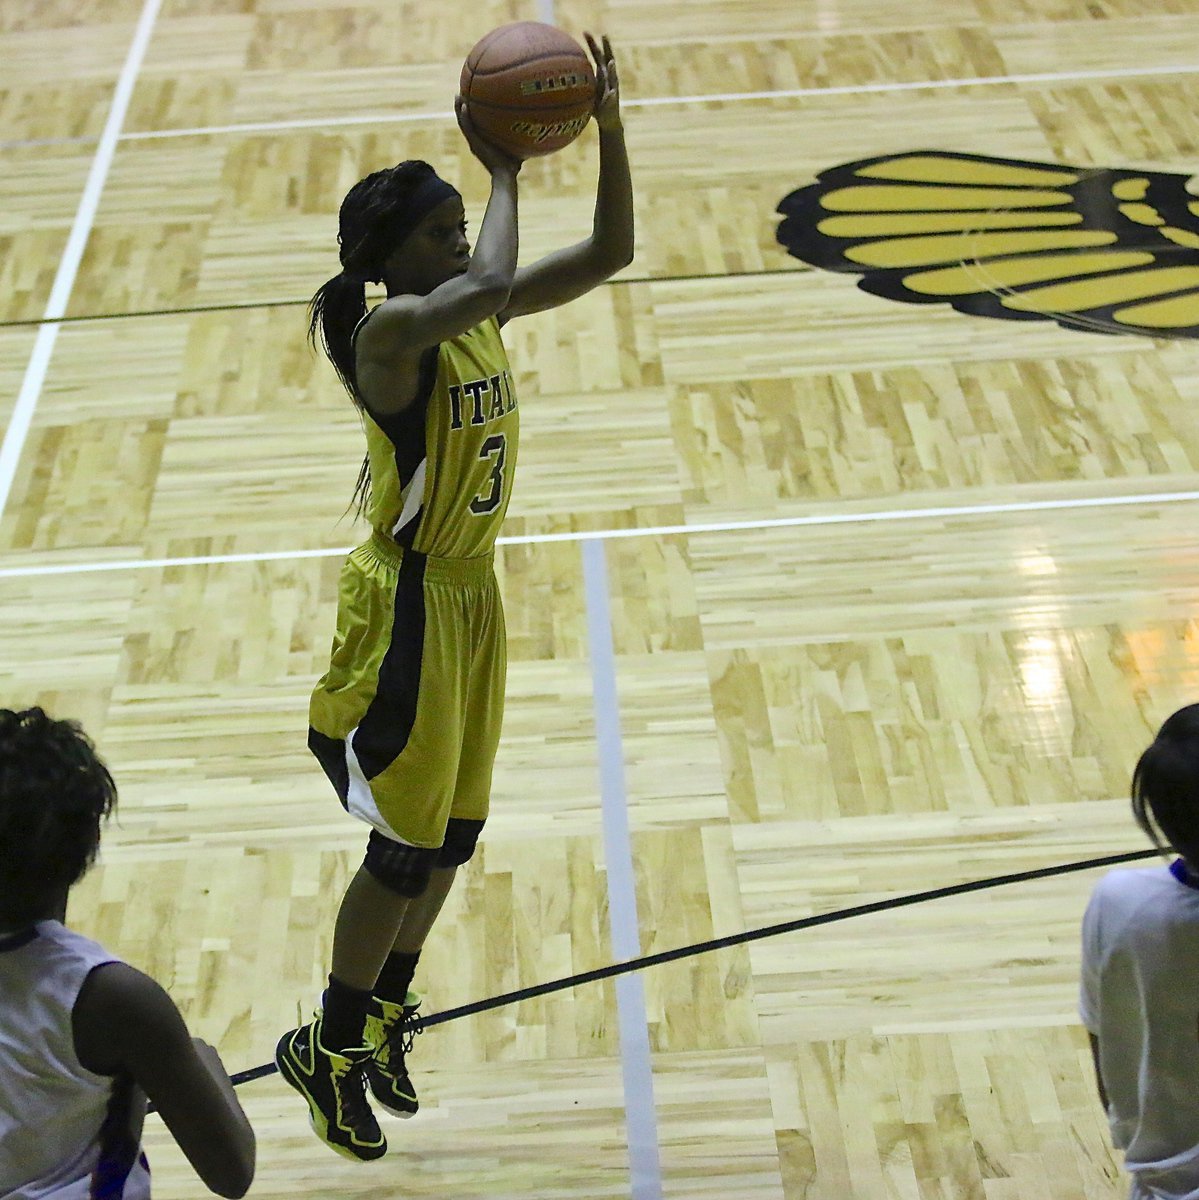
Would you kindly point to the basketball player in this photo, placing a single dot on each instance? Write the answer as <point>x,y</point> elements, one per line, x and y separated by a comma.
<point>407,719</point>
<point>1140,976</point>
<point>84,1039</point>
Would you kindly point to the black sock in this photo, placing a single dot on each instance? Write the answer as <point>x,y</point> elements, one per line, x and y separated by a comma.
<point>345,1016</point>
<point>396,977</point>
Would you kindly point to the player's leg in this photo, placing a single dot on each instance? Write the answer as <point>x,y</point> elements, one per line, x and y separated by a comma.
<point>391,1014</point>
<point>371,913</point>
<point>395,765</point>
<point>392,1017</point>
<point>326,1060</point>
<point>421,912</point>
<point>394,984</point>
<point>393,1007</point>
<point>420,915</point>
<point>364,715</point>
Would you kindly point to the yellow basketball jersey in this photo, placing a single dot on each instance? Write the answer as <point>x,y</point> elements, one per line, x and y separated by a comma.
<point>441,470</point>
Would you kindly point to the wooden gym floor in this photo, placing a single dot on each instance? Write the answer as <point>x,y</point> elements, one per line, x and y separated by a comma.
<point>814,598</point>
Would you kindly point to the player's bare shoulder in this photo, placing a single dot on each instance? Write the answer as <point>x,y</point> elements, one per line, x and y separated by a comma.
<point>388,355</point>
<point>122,1017</point>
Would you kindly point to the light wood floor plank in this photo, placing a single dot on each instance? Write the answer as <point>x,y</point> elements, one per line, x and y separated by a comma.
<point>1147,38</point>
<point>812,716</point>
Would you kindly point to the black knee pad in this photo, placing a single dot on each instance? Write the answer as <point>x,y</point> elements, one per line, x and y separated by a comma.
<point>461,837</point>
<point>400,868</point>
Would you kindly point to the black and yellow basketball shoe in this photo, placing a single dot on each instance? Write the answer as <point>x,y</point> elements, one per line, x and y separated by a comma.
<point>390,1030</point>
<point>332,1083</point>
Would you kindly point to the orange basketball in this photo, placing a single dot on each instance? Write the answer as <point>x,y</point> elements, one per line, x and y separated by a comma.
<point>530,88</point>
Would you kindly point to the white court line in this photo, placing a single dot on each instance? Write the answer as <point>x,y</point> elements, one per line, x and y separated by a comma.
<point>275,126</point>
<point>865,89</point>
<point>862,89</point>
<point>64,280</point>
<point>530,539</point>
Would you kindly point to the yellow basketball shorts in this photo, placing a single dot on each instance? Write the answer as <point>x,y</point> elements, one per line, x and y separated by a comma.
<point>406,721</point>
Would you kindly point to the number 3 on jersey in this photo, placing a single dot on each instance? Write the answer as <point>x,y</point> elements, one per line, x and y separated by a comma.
<point>496,449</point>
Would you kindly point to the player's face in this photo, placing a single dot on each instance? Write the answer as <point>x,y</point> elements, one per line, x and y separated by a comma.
<point>436,250</point>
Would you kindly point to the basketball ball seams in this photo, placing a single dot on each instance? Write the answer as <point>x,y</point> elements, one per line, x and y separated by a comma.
<point>567,84</point>
<point>530,88</point>
<point>558,101</point>
<point>529,64</point>
<point>481,45</point>
<point>558,111</point>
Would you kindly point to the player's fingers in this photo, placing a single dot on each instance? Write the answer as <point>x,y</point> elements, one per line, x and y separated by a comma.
<point>601,54</point>
<point>610,74</point>
<point>605,81</point>
<point>462,110</point>
<point>601,73</point>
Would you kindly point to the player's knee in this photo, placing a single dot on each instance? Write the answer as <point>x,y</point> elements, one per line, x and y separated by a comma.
<point>400,868</point>
<point>461,838</point>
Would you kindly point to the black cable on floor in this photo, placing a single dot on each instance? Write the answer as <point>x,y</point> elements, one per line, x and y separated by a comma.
<point>738,939</point>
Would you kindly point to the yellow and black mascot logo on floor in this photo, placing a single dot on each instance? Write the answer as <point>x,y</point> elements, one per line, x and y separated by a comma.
<point>1106,250</point>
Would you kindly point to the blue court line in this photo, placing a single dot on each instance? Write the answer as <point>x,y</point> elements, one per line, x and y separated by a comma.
<point>636,1063</point>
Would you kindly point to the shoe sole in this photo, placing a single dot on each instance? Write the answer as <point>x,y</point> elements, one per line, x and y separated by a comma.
<point>315,1117</point>
<point>403,1113</point>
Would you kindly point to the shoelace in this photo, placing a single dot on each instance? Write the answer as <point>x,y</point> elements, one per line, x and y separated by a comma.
<point>351,1087</point>
<point>398,1037</point>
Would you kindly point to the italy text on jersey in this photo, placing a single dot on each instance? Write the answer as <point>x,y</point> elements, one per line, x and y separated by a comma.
<point>486,399</point>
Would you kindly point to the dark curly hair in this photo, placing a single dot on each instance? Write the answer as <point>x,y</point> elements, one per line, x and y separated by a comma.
<point>1165,786</point>
<point>54,792</point>
<point>365,228</point>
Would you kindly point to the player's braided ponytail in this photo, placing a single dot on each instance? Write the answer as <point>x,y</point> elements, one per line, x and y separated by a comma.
<point>365,221</point>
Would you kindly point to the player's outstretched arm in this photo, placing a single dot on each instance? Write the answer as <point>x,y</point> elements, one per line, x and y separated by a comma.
<point>403,325</point>
<point>575,270</point>
<point>126,1024</point>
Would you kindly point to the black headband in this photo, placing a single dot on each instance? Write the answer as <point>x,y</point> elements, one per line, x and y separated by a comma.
<point>430,192</point>
<point>393,230</point>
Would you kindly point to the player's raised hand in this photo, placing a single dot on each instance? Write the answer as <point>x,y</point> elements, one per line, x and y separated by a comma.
<point>607,84</point>
<point>488,153</point>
